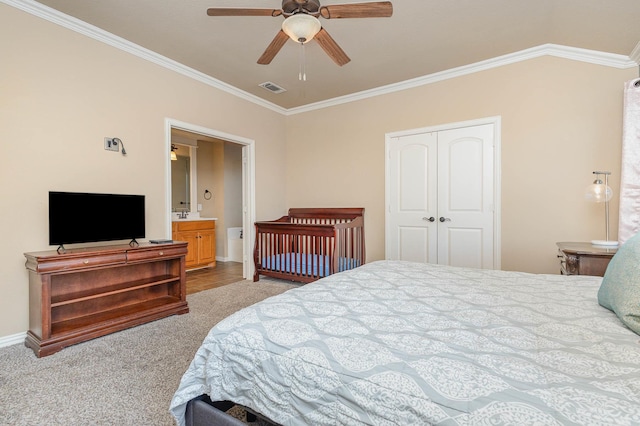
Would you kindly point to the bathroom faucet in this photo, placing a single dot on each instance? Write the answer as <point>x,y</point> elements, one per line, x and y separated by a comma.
<point>183,214</point>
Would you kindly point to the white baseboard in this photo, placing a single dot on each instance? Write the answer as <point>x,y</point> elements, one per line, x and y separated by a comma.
<point>12,340</point>
<point>226,259</point>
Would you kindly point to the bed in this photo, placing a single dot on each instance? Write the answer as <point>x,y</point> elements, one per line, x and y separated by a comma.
<point>401,343</point>
<point>309,244</point>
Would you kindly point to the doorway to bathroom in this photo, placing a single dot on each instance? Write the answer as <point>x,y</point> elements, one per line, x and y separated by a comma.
<point>221,185</point>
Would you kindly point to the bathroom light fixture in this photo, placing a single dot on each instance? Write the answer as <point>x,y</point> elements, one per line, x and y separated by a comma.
<point>174,157</point>
<point>600,192</point>
<point>301,28</point>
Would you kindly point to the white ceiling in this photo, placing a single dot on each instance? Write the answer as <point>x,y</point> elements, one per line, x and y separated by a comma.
<point>422,37</point>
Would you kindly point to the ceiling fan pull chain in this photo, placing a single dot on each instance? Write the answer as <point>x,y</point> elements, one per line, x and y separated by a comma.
<point>302,75</point>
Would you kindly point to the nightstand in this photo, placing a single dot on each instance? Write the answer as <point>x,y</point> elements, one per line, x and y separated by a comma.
<point>584,258</point>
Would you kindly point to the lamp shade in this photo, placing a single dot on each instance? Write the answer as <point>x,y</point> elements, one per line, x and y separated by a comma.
<point>301,27</point>
<point>598,192</point>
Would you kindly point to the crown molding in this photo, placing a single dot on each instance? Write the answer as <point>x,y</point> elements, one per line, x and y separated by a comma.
<point>573,53</point>
<point>635,54</point>
<point>79,26</point>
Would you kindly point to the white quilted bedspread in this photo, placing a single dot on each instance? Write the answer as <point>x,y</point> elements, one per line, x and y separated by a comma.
<point>400,343</point>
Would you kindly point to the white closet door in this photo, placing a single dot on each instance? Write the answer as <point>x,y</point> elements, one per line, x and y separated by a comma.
<point>441,197</point>
<point>465,197</point>
<point>413,203</point>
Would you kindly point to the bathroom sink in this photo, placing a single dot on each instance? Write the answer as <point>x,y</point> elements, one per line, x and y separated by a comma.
<point>190,217</point>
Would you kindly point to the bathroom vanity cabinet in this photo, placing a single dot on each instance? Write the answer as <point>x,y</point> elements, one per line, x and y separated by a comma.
<point>201,238</point>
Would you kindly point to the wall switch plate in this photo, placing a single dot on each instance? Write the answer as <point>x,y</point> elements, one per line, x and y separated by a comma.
<point>111,145</point>
<point>199,207</point>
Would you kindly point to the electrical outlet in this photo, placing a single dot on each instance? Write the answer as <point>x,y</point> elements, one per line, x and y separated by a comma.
<point>111,145</point>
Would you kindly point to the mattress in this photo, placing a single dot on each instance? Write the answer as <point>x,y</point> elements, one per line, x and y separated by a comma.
<point>401,343</point>
<point>303,264</point>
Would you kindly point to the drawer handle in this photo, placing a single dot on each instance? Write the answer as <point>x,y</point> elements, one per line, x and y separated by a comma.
<point>161,253</point>
<point>86,262</point>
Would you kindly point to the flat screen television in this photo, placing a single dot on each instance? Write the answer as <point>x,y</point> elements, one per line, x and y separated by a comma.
<point>78,217</point>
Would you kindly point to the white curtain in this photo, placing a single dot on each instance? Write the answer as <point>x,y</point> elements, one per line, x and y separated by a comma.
<point>629,221</point>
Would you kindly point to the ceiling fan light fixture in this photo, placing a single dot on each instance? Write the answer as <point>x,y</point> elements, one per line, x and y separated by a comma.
<point>301,27</point>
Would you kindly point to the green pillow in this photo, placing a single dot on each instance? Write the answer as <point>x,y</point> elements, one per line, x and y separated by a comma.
<point>620,288</point>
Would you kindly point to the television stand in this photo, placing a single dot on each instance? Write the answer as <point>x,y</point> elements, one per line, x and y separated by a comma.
<point>84,293</point>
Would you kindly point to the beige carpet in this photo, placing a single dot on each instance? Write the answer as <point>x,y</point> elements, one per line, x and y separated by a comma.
<point>125,378</point>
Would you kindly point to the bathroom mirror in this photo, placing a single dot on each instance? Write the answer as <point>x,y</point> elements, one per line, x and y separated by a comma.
<point>181,179</point>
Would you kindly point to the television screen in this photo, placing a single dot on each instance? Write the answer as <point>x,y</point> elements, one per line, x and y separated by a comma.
<point>76,217</point>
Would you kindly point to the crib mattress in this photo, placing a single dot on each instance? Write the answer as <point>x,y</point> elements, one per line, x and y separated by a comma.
<point>306,264</point>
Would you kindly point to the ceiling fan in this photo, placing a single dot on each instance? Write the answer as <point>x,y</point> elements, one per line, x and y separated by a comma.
<point>302,24</point>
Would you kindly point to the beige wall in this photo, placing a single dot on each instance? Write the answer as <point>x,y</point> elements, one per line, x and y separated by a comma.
<point>61,93</point>
<point>220,171</point>
<point>232,192</point>
<point>561,119</point>
<point>209,173</point>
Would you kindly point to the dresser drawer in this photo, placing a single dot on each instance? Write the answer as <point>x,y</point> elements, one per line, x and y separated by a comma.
<point>67,263</point>
<point>159,252</point>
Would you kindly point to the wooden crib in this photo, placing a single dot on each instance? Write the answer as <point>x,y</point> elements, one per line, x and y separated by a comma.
<point>310,243</point>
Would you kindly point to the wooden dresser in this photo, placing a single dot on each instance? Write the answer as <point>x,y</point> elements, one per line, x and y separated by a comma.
<point>583,258</point>
<point>85,293</point>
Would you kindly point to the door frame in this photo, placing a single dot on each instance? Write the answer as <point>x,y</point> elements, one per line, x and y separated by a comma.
<point>496,121</point>
<point>248,183</point>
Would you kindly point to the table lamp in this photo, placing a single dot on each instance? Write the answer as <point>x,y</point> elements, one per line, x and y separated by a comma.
<point>600,192</point>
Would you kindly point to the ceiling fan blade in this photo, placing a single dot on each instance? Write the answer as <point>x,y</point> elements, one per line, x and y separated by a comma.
<point>331,48</point>
<point>380,9</point>
<point>274,47</point>
<point>216,11</point>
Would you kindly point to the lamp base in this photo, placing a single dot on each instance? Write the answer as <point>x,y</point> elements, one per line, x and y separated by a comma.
<point>604,243</point>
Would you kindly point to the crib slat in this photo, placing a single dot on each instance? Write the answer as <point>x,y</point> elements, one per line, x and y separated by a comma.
<point>308,252</point>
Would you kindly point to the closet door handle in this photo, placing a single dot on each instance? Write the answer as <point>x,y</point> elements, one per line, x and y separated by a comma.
<point>429,219</point>
<point>444,219</point>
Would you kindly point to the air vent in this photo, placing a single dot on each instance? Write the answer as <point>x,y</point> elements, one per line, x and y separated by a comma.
<point>272,87</point>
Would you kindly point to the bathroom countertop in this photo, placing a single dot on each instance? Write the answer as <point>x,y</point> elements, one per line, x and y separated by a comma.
<point>192,219</point>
